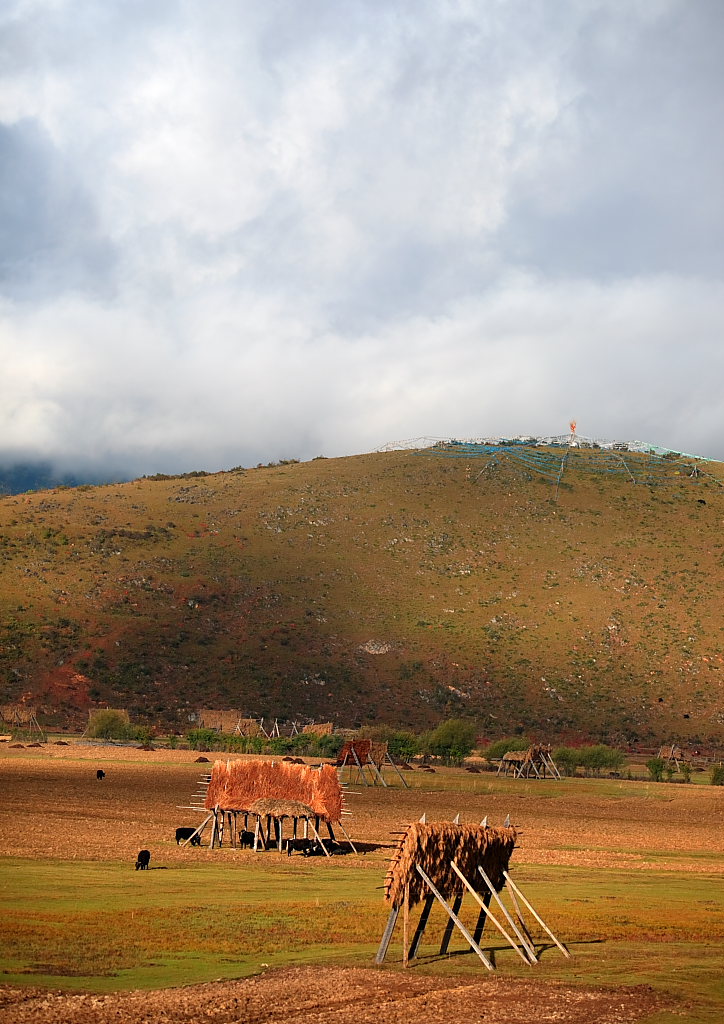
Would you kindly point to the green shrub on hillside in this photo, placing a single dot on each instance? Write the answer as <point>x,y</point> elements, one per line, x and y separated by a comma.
<point>566,760</point>
<point>109,724</point>
<point>599,758</point>
<point>593,759</point>
<point>453,740</point>
<point>656,767</point>
<point>202,739</point>
<point>716,775</point>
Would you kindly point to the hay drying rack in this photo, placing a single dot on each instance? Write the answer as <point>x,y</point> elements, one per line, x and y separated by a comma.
<point>442,862</point>
<point>267,818</point>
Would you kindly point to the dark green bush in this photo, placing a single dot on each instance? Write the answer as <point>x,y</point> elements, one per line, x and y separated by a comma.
<point>109,724</point>
<point>202,739</point>
<point>452,741</point>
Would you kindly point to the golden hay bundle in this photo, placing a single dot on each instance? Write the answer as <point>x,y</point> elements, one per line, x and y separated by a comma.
<point>281,808</point>
<point>319,729</point>
<point>434,845</point>
<point>236,785</point>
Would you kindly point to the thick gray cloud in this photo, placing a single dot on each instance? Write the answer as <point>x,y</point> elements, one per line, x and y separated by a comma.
<point>237,232</point>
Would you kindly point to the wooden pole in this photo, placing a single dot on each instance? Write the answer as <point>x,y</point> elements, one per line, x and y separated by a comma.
<point>421,925</point>
<point>405,923</point>
<point>447,934</point>
<point>488,913</point>
<point>388,760</point>
<point>199,830</point>
<point>454,918</point>
<point>522,932</point>
<point>482,918</point>
<point>521,920</point>
<point>387,935</point>
<point>536,915</point>
<point>347,837</point>
<point>319,839</point>
<point>359,767</point>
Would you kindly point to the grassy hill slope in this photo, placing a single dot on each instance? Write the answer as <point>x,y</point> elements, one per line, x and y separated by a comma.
<point>386,587</point>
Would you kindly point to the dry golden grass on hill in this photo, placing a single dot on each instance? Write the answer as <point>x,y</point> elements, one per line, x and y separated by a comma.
<point>385,587</point>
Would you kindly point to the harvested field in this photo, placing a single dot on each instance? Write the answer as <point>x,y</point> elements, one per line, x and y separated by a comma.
<point>627,873</point>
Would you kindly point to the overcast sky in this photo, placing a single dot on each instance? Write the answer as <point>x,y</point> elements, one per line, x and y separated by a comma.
<point>233,231</point>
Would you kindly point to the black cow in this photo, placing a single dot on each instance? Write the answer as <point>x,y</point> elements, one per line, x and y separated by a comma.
<point>303,845</point>
<point>100,774</point>
<point>187,833</point>
<point>246,839</point>
<point>143,860</point>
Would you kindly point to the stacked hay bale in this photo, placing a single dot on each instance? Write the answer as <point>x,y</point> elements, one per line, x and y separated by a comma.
<point>434,845</point>
<point>237,785</point>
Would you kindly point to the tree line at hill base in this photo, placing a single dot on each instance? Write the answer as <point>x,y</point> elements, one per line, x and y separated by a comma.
<point>451,742</point>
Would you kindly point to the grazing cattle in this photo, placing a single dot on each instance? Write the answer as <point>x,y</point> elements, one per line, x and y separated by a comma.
<point>187,833</point>
<point>246,839</point>
<point>100,774</point>
<point>315,848</point>
<point>143,860</point>
<point>303,845</point>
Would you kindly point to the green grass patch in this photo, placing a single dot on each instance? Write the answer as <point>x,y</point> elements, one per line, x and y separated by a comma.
<point>105,927</point>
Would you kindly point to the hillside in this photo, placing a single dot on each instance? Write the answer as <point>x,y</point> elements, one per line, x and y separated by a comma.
<point>387,587</point>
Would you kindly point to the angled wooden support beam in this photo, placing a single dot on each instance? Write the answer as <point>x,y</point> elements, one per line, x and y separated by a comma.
<point>456,920</point>
<point>514,889</point>
<point>387,935</point>
<point>489,914</point>
<point>388,760</point>
<point>199,830</point>
<point>347,836</point>
<point>523,936</point>
<point>482,918</point>
<point>376,773</point>
<point>421,925</point>
<point>449,927</point>
<point>319,839</point>
<point>359,767</point>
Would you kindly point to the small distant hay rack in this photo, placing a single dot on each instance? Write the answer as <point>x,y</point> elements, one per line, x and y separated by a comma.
<point>442,862</point>
<point>20,716</point>
<point>534,763</point>
<point>366,761</point>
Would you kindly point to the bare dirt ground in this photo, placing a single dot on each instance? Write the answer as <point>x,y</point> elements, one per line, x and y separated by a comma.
<point>319,996</point>
<point>53,806</point>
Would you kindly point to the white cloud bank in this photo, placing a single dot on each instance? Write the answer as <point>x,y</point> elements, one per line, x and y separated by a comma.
<point>238,232</point>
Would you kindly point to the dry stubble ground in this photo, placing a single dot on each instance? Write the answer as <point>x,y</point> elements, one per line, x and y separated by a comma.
<point>53,807</point>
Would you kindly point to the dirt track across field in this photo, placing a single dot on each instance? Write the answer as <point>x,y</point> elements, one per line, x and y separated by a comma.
<point>318,996</point>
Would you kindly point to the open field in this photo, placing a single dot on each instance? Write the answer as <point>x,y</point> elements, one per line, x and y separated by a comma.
<point>628,874</point>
